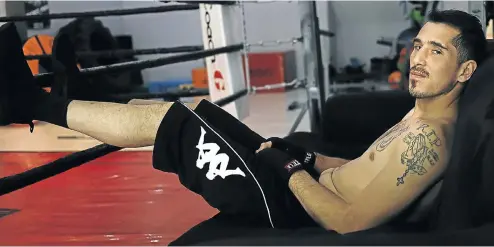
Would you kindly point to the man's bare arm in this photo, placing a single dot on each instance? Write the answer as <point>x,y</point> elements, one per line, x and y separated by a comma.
<point>325,207</point>
<point>324,162</point>
<point>417,162</point>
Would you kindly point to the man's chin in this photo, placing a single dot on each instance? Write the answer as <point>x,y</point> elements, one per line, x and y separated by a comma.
<point>418,95</point>
<point>422,95</point>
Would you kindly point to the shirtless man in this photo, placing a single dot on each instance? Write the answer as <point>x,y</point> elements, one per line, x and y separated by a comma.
<point>270,182</point>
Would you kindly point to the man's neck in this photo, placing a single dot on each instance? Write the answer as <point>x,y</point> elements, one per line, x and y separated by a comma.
<point>435,108</point>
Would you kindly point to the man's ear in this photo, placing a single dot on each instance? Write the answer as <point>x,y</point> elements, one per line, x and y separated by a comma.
<point>466,71</point>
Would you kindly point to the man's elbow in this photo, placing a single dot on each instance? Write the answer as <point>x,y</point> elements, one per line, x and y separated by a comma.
<point>351,227</point>
<point>346,228</point>
<point>346,224</point>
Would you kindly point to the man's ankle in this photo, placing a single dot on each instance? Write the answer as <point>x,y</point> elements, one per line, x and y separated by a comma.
<point>52,109</point>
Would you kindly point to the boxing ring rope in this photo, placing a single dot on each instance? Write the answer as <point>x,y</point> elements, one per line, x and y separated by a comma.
<point>126,52</point>
<point>119,12</point>
<point>203,2</point>
<point>298,119</point>
<point>37,174</point>
<point>171,94</point>
<point>277,42</point>
<point>45,79</point>
<point>326,33</point>
<point>78,158</point>
<point>151,63</point>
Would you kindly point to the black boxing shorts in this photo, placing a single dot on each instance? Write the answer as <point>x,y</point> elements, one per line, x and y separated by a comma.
<point>213,155</point>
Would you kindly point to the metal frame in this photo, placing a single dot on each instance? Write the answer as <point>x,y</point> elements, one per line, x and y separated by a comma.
<point>314,73</point>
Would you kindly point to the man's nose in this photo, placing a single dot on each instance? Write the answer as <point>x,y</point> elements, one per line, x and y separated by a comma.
<point>419,57</point>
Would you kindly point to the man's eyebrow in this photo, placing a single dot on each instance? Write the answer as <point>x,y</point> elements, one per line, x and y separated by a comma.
<point>437,44</point>
<point>434,43</point>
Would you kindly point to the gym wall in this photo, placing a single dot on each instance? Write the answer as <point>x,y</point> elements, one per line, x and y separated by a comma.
<point>265,21</point>
<point>460,5</point>
<point>163,30</point>
<point>359,24</point>
<point>114,23</point>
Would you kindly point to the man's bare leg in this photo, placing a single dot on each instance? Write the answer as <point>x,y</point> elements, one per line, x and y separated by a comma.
<point>22,100</point>
<point>123,125</point>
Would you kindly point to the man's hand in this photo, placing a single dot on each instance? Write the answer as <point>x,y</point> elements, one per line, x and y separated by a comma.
<point>308,159</point>
<point>322,162</point>
<point>282,163</point>
<point>263,146</point>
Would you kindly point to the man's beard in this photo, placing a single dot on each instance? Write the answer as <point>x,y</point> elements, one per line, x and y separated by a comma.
<point>429,95</point>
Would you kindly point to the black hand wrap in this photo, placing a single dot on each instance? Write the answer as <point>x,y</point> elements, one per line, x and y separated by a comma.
<point>281,162</point>
<point>308,159</point>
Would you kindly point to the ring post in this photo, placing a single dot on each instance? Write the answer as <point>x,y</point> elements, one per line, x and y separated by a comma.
<point>312,62</point>
<point>225,71</point>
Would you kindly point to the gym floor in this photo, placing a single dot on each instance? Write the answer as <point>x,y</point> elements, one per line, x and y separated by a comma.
<point>118,199</point>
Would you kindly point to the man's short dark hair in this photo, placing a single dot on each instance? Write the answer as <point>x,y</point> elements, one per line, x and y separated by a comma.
<point>471,43</point>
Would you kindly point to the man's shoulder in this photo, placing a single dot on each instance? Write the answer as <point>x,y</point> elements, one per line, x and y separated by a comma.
<point>419,144</point>
<point>434,132</point>
<point>426,143</point>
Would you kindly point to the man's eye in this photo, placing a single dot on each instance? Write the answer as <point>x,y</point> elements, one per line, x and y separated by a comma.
<point>437,52</point>
<point>416,47</point>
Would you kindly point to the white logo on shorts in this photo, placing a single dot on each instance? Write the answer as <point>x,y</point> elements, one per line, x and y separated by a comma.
<point>217,162</point>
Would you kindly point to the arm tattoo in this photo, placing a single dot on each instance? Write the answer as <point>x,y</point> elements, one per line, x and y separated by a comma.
<point>420,149</point>
<point>383,142</point>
